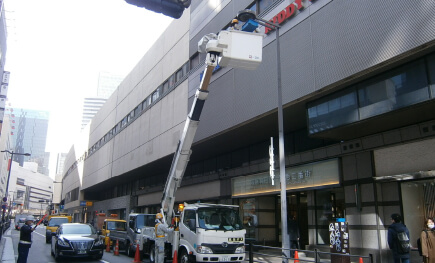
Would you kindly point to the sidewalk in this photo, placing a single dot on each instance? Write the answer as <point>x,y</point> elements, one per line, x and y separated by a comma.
<point>6,248</point>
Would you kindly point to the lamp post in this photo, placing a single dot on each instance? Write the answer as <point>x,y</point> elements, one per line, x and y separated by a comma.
<point>244,16</point>
<point>5,199</point>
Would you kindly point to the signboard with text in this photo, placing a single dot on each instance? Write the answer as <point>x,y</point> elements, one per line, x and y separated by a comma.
<point>339,240</point>
<point>298,177</point>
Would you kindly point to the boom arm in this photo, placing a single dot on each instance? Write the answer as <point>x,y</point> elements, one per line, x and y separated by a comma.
<point>182,154</point>
<point>232,48</point>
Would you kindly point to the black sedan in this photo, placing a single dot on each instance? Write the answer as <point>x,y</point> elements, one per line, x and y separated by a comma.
<point>76,240</point>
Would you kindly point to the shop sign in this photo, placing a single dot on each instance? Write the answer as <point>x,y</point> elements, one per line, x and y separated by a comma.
<point>299,177</point>
<point>339,240</point>
<point>286,14</point>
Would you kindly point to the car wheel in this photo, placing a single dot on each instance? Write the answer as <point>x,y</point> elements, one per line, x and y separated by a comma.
<point>184,257</point>
<point>152,254</point>
<point>47,240</point>
<point>99,257</point>
<point>56,255</point>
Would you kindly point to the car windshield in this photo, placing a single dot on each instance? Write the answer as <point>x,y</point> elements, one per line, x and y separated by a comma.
<point>78,230</point>
<point>219,219</point>
<point>114,225</point>
<point>57,221</point>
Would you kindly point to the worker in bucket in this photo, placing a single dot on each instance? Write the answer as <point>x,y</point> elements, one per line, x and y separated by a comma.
<point>161,228</point>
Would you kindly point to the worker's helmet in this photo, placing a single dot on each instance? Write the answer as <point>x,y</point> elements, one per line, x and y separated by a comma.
<point>30,218</point>
<point>234,21</point>
<point>159,216</point>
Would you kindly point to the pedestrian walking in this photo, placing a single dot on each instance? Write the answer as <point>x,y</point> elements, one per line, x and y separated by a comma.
<point>161,228</point>
<point>427,239</point>
<point>398,239</point>
<point>294,235</point>
<point>25,240</point>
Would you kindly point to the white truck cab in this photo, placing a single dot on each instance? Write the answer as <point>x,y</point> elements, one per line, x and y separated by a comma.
<point>211,233</point>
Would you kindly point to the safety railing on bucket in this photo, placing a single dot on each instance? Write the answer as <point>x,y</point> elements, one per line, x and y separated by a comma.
<point>257,253</point>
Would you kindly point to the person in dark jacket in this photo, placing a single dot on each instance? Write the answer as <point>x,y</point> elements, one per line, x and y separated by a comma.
<point>294,234</point>
<point>393,242</point>
<point>25,240</point>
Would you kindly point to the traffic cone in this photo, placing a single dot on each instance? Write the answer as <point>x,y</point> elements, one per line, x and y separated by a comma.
<point>116,251</point>
<point>361,260</point>
<point>296,257</point>
<point>137,255</point>
<point>175,258</point>
<point>108,245</point>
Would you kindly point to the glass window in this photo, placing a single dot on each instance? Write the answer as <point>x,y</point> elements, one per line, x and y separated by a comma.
<point>137,110</point>
<point>156,95</point>
<point>194,60</point>
<point>329,206</point>
<point>333,111</point>
<point>264,4</point>
<point>185,68</point>
<point>249,216</point>
<point>189,215</point>
<point>179,75</point>
<point>395,89</point>
<point>431,67</point>
<point>171,81</point>
<point>144,104</point>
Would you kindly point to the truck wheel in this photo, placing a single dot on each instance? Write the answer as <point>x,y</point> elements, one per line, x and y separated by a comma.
<point>152,253</point>
<point>128,251</point>
<point>184,257</point>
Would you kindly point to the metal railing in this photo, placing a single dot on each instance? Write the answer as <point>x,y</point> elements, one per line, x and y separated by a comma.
<point>309,255</point>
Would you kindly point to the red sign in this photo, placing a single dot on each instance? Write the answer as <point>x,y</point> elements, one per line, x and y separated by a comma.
<point>285,14</point>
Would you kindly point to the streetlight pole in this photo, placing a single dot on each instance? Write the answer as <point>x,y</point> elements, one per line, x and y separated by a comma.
<point>5,199</point>
<point>244,16</point>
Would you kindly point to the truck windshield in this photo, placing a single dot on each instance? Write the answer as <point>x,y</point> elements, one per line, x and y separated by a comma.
<point>115,225</point>
<point>58,221</point>
<point>140,221</point>
<point>222,218</point>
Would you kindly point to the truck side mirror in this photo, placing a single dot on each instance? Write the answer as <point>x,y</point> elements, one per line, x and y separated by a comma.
<point>192,224</point>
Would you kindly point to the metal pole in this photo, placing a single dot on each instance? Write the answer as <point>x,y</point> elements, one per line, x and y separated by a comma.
<point>7,184</point>
<point>282,176</point>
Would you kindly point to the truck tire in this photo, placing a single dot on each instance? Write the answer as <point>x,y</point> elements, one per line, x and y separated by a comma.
<point>128,250</point>
<point>152,253</point>
<point>184,257</point>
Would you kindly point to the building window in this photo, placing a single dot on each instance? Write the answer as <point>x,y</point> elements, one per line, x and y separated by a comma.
<point>431,67</point>
<point>20,181</point>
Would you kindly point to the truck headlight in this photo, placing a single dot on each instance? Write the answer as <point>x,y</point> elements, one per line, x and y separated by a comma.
<point>240,250</point>
<point>204,250</point>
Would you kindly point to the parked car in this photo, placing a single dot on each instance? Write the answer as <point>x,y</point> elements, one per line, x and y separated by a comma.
<point>19,222</point>
<point>76,240</point>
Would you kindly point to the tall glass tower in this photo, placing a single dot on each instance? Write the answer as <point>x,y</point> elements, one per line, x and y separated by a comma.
<point>29,130</point>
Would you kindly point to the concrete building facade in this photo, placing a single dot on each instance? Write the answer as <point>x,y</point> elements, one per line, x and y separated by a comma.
<point>359,121</point>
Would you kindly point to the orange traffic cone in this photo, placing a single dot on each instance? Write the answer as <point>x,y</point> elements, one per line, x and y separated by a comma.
<point>116,251</point>
<point>175,258</point>
<point>296,257</point>
<point>137,255</point>
<point>361,260</point>
<point>107,245</point>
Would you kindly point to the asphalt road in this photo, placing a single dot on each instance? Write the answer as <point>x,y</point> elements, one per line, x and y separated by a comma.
<point>40,251</point>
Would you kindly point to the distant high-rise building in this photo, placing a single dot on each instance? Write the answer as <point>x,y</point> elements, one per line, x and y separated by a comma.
<point>29,130</point>
<point>60,163</point>
<point>4,75</point>
<point>90,107</point>
<point>107,83</point>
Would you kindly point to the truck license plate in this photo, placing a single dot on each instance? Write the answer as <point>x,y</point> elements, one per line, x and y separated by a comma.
<point>225,259</point>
